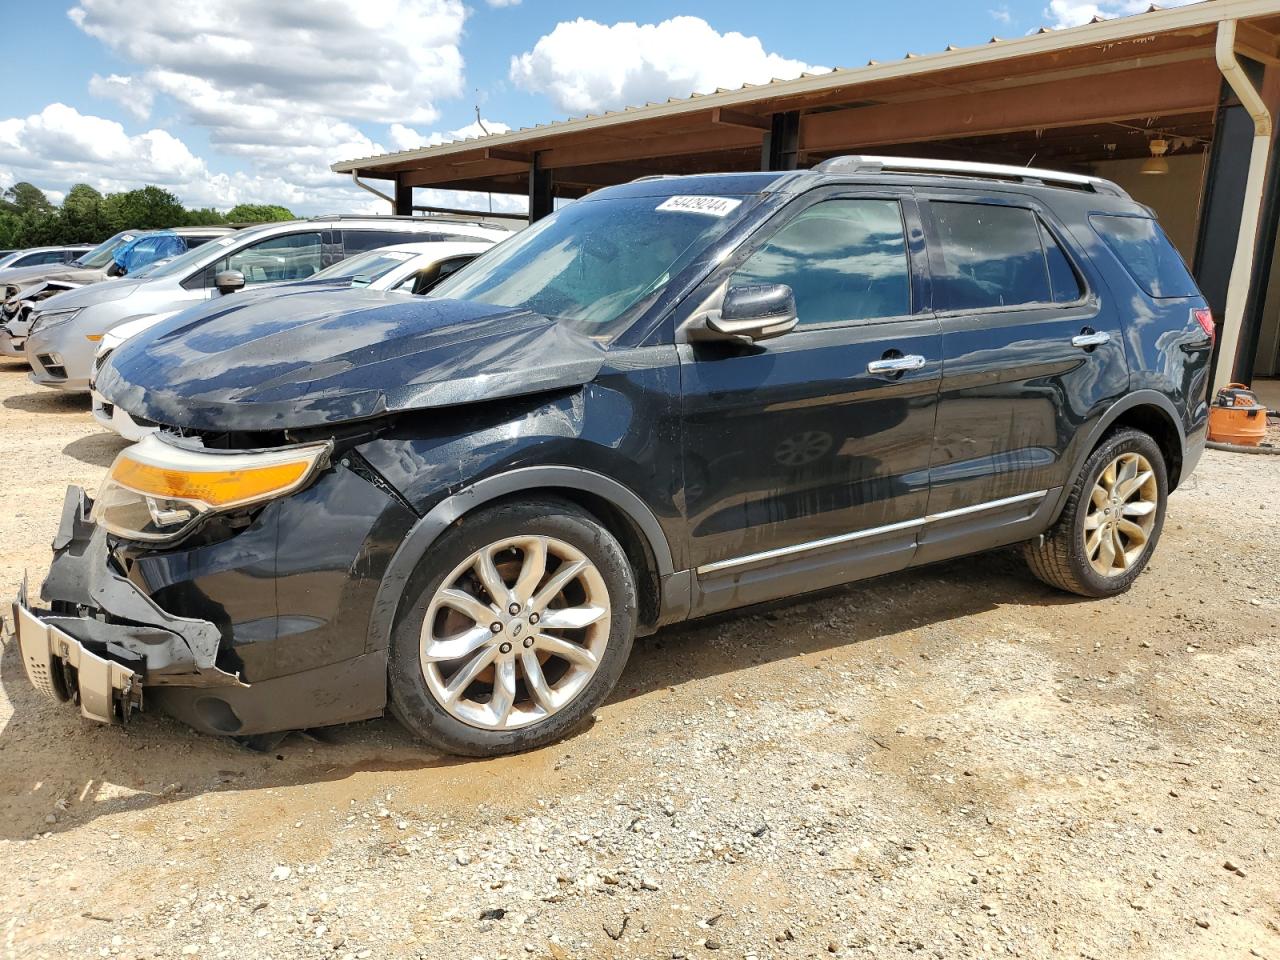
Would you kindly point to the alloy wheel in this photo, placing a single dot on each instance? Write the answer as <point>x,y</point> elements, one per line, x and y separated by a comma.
<point>515,632</point>
<point>1121,514</point>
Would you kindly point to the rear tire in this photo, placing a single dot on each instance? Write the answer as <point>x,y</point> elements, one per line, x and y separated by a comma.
<point>516,626</point>
<point>1111,522</point>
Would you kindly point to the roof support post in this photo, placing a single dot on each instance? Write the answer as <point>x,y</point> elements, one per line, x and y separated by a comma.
<point>781,147</point>
<point>403,204</point>
<point>1241,276</point>
<point>541,190</point>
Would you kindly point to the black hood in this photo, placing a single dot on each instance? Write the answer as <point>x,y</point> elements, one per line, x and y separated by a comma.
<point>323,356</point>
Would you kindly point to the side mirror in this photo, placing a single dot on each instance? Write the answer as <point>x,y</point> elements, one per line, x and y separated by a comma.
<point>115,270</point>
<point>755,312</point>
<point>229,281</point>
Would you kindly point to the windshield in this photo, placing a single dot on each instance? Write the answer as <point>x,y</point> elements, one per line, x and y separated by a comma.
<point>374,264</point>
<point>588,264</point>
<point>101,255</point>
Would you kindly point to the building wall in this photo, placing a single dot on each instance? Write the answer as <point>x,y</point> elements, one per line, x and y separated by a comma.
<point>1175,196</point>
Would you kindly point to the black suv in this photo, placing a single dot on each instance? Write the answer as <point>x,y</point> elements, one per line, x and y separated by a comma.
<point>674,397</point>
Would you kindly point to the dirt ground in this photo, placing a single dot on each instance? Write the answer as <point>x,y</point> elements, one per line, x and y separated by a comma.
<point>955,762</point>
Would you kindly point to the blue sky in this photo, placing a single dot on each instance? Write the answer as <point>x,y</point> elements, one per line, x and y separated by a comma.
<point>250,100</point>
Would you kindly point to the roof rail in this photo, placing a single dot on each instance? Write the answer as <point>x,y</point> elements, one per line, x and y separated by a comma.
<point>963,168</point>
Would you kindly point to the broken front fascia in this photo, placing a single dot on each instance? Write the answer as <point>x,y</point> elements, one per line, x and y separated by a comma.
<point>114,620</point>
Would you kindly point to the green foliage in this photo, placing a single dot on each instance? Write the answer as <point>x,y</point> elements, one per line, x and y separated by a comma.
<point>29,219</point>
<point>259,213</point>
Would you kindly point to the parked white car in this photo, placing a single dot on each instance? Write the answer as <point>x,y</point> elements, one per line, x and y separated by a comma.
<point>412,268</point>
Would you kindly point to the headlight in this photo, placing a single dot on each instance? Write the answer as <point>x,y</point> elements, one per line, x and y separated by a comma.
<point>156,491</point>
<point>43,321</point>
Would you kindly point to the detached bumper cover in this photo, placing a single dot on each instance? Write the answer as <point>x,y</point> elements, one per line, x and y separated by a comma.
<point>106,690</point>
<point>117,640</point>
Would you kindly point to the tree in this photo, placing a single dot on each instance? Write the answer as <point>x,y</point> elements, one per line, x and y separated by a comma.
<point>258,213</point>
<point>29,219</point>
<point>150,208</point>
<point>82,218</point>
<point>24,197</point>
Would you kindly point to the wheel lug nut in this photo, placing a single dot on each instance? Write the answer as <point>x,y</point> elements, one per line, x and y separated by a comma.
<point>505,648</point>
<point>528,642</point>
<point>534,618</point>
<point>495,627</point>
<point>513,609</point>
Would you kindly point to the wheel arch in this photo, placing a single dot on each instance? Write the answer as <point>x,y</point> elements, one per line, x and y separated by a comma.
<point>1147,410</point>
<point>614,505</point>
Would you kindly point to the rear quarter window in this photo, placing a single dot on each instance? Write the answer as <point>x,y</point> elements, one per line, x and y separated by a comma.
<point>1145,251</point>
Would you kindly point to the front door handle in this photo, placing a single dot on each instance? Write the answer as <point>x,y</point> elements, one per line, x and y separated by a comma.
<point>1088,339</point>
<point>896,364</point>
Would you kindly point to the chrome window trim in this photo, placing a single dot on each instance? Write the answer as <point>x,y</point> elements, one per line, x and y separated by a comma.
<point>810,545</point>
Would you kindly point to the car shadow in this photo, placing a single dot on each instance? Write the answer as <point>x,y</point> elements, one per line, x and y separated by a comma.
<point>96,449</point>
<point>48,401</point>
<point>48,754</point>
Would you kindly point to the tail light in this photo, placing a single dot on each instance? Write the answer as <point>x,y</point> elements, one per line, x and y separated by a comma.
<point>1204,317</point>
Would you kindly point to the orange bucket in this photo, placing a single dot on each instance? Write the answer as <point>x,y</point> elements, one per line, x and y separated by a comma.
<point>1237,417</point>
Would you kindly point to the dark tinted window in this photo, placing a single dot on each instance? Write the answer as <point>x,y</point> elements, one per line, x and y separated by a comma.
<point>358,241</point>
<point>1063,281</point>
<point>990,256</point>
<point>843,259</point>
<point>1147,254</point>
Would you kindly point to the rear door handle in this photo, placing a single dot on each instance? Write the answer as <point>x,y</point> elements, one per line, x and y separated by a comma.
<point>896,364</point>
<point>1091,339</point>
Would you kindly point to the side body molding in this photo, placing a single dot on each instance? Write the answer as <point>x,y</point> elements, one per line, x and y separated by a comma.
<point>428,529</point>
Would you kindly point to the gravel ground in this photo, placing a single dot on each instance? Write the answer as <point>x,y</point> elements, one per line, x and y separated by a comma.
<point>955,762</point>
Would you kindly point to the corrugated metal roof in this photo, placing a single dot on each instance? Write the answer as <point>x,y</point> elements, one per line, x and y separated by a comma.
<point>1155,19</point>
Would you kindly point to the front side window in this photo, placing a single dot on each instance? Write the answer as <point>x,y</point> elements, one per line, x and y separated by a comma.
<point>294,256</point>
<point>1147,254</point>
<point>592,264</point>
<point>843,259</point>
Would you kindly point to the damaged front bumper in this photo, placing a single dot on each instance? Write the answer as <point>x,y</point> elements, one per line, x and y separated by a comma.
<point>103,641</point>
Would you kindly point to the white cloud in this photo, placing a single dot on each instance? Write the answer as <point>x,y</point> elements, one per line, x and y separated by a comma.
<point>60,146</point>
<point>586,67</point>
<point>1072,13</point>
<point>1001,14</point>
<point>127,91</point>
<point>282,85</point>
<point>406,138</point>
<point>379,59</point>
<point>503,3</point>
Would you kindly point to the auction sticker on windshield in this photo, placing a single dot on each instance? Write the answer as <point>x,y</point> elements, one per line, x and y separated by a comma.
<point>711,206</point>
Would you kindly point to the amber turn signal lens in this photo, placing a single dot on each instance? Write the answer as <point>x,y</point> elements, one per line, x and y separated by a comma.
<point>217,488</point>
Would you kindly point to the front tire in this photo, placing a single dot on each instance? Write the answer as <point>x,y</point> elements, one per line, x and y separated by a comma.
<point>1111,522</point>
<point>518,624</point>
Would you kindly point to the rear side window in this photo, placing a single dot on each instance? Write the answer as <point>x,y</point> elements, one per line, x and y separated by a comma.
<point>843,259</point>
<point>996,256</point>
<point>1147,254</point>
<point>360,241</point>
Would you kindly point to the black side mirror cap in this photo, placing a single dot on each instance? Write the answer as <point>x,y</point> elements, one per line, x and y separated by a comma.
<point>229,281</point>
<point>750,313</point>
